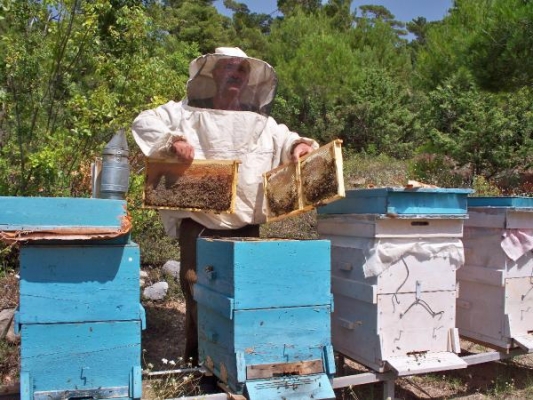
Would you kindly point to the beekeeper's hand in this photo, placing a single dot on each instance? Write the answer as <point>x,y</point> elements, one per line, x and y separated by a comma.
<point>182,150</point>
<point>301,149</point>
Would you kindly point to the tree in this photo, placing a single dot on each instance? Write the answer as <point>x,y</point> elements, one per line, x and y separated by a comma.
<point>337,82</point>
<point>250,28</point>
<point>447,44</point>
<point>381,13</point>
<point>501,53</point>
<point>288,7</point>
<point>65,92</point>
<point>488,133</point>
<point>197,21</point>
<point>418,27</point>
<point>493,39</point>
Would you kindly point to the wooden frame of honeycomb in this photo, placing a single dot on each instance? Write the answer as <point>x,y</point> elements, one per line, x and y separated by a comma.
<point>316,179</point>
<point>203,185</point>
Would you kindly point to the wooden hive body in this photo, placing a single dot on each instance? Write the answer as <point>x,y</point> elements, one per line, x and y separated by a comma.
<point>264,315</point>
<point>495,303</point>
<point>79,316</point>
<point>394,277</point>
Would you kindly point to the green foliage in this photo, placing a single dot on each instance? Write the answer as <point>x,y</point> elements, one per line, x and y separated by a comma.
<point>492,39</point>
<point>363,170</point>
<point>485,132</point>
<point>198,22</point>
<point>501,51</point>
<point>439,170</point>
<point>447,44</point>
<point>483,187</point>
<point>377,117</point>
<point>73,72</point>
<point>344,83</point>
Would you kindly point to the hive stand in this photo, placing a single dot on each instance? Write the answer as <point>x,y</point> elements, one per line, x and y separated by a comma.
<point>79,317</point>
<point>495,304</point>
<point>395,253</point>
<point>264,316</point>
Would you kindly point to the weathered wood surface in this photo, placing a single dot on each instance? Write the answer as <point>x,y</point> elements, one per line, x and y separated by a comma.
<point>57,218</point>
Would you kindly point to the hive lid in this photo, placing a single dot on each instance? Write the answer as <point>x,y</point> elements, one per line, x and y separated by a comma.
<point>398,201</point>
<point>62,218</point>
<point>203,185</point>
<point>316,179</point>
<point>501,201</point>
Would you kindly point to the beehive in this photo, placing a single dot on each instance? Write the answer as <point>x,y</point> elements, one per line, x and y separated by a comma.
<point>316,179</point>
<point>264,316</point>
<point>395,253</point>
<point>79,315</point>
<point>203,185</point>
<point>495,304</point>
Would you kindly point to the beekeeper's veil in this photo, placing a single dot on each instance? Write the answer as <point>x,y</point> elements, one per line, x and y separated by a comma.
<point>258,95</point>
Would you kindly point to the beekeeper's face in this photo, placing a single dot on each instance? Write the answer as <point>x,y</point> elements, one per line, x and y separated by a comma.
<point>231,74</point>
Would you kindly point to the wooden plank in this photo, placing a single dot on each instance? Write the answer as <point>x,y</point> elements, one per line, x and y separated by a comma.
<point>481,275</point>
<point>278,369</point>
<point>354,289</point>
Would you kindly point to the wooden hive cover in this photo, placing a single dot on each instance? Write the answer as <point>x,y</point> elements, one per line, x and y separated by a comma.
<point>316,179</point>
<point>203,185</point>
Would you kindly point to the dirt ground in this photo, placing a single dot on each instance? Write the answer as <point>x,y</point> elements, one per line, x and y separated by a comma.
<point>505,379</point>
<point>163,340</point>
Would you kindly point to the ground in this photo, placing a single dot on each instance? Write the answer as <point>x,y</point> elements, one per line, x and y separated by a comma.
<point>163,340</point>
<point>506,379</point>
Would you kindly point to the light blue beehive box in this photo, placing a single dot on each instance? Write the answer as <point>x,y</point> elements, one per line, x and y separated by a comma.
<point>79,316</point>
<point>264,316</point>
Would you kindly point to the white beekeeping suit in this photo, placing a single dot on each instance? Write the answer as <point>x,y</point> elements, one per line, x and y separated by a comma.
<point>248,134</point>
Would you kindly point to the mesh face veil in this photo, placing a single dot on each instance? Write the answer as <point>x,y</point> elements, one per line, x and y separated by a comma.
<point>254,79</point>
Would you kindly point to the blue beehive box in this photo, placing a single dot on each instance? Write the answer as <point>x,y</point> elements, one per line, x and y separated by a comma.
<point>81,360</point>
<point>400,201</point>
<point>80,317</point>
<point>79,283</point>
<point>264,315</point>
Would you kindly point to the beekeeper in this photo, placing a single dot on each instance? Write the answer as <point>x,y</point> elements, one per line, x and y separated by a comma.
<point>225,116</point>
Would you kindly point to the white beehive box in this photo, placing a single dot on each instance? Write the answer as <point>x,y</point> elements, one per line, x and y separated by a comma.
<point>495,304</point>
<point>394,278</point>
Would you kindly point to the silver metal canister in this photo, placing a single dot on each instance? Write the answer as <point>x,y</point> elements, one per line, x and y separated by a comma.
<point>115,174</point>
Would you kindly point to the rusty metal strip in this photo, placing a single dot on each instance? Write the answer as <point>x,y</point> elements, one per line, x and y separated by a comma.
<point>70,233</point>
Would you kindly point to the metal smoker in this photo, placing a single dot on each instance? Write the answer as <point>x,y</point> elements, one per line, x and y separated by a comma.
<point>111,173</point>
